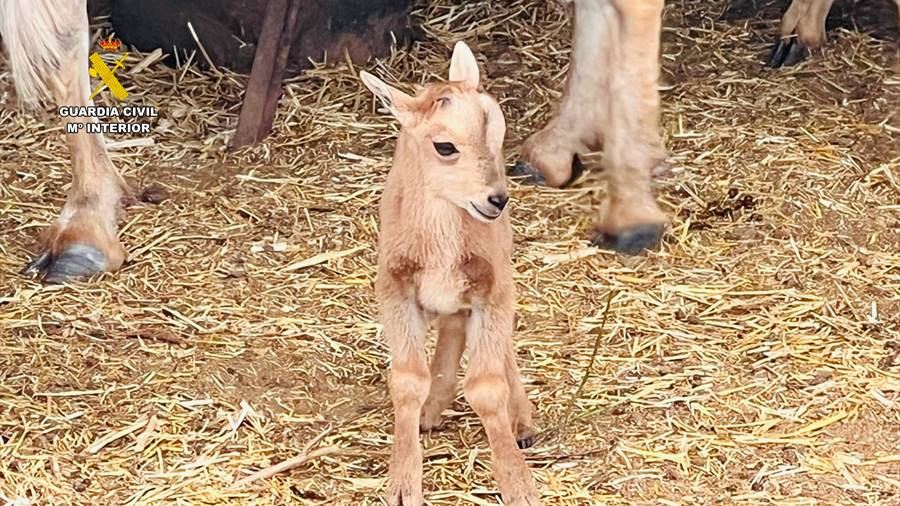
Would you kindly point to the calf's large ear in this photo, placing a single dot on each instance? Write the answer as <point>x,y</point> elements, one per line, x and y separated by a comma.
<point>463,66</point>
<point>399,103</point>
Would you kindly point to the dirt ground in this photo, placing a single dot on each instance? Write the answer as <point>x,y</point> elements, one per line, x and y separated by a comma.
<point>755,359</point>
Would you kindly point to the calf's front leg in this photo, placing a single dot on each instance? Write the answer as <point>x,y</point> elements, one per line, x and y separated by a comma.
<point>487,389</point>
<point>405,329</point>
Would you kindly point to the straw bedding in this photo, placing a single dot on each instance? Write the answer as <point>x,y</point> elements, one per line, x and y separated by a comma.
<point>755,359</point>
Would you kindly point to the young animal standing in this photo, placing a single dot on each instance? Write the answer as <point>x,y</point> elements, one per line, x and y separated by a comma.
<point>444,252</point>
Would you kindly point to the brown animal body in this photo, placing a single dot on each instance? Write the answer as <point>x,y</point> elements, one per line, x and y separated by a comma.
<point>229,29</point>
<point>444,253</point>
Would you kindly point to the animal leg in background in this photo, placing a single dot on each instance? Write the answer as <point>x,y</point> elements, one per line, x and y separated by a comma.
<point>631,220</point>
<point>802,27</point>
<point>610,100</point>
<point>551,155</point>
<point>444,366</point>
<point>48,42</point>
<point>519,406</point>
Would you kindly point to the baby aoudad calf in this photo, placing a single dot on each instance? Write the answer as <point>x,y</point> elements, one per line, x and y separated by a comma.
<point>444,254</point>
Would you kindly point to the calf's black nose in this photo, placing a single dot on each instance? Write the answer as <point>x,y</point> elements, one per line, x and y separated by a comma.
<point>499,200</point>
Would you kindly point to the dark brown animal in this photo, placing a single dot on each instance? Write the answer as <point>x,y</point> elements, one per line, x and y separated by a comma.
<point>229,29</point>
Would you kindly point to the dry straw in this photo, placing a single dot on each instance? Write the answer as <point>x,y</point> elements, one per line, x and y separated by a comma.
<point>755,359</point>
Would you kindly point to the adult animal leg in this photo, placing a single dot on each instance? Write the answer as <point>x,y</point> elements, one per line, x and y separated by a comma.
<point>631,220</point>
<point>551,155</point>
<point>48,42</point>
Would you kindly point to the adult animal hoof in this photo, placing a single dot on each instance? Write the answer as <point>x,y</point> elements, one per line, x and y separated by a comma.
<point>631,241</point>
<point>786,52</point>
<point>531,175</point>
<point>75,261</point>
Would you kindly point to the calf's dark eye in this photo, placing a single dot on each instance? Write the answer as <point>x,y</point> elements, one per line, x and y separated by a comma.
<point>445,148</point>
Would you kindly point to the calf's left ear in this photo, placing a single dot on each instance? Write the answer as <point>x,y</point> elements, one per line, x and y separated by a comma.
<point>464,67</point>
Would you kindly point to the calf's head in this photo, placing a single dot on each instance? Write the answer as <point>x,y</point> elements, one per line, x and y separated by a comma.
<point>455,133</point>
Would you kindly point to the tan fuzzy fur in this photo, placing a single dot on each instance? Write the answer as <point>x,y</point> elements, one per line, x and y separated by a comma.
<point>439,257</point>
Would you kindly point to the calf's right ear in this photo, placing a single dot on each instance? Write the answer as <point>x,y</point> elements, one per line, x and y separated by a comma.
<point>464,67</point>
<point>399,103</point>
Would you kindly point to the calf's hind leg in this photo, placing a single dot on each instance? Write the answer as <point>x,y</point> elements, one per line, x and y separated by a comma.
<point>448,351</point>
<point>519,406</point>
<point>444,366</point>
<point>48,40</point>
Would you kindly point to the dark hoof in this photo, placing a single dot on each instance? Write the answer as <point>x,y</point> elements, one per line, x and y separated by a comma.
<point>786,52</point>
<point>631,241</point>
<point>577,171</point>
<point>154,193</point>
<point>531,175</point>
<point>524,437</point>
<point>525,442</point>
<point>75,262</point>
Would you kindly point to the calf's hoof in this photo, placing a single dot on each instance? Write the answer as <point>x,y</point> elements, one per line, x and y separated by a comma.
<point>525,438</point>
<point>524,494</point>
<point>74,261</point>
<point>531,175</point>
<point>430,418</point>
<point>630,241</point>
<point>405,493</point>
<point>523,431</point>
<point>786,52</point>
